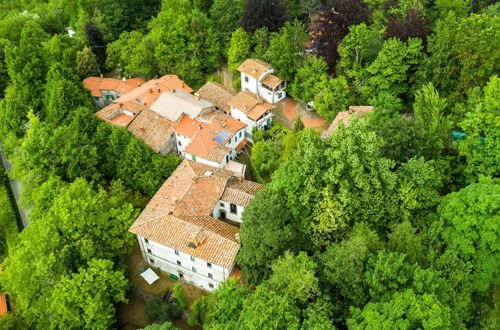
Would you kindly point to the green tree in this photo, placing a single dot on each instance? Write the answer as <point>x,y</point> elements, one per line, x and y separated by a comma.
<point>178,294</point>
<point>334,96</point>
<point>164,326</point>
<point>469,226</point>
<point>343,266</point>
<point>481,124</point>
<point>266,309</point>
<point>405,310</point>
<point>285,49</point>
<point>309,79</point>
<point>404,238</point>
<point>392,69</point>
<point>133,53</point>
<point>86,63</point>
<point>227,14</point>
<point>260,42</point>
<point>63,94</point>
<point>185,43</point>
<point>74,303</point>
<point>318,316</point>
<point>239,49</point>
<point>294,277</point>
<point>267,232</point>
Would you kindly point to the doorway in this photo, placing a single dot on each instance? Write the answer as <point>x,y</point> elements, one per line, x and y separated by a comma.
<point>223,215</point>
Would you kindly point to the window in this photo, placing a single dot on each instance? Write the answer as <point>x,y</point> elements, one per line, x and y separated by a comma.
<point>151,260</point>
<point>149,250</point>
<point>179,263</point>
<point>192,258</point>
<point>176,252</point>
<point>233,208</point>
<point>210,275</point>
<point>97,98</point>
<point>241,133</point>
<point>179,143</point>
<point>194,269</point>
<point>229,142</point>
<point>209,265</point>
<point>246,78</point>
<point>211,285</point>
<point>227,158</point>
<point>221,204</point>
<point>146,240</point>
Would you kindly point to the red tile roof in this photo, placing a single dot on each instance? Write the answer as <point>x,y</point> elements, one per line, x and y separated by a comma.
<point>250,104</point>
<point>345,117</point>
<point>217,94</point>
<point>152,128</point>
<point>182,207</point>
<point>3,305</point>
<point>241,145</point>
<point>97,84</point>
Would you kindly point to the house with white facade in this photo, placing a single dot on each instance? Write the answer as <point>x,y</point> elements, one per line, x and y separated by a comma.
<point>213,139</point>
<point>251,110</point>
<point>181,230</point>
<point>257,77</point>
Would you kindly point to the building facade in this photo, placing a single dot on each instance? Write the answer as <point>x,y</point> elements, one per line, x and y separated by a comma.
<point>258,77</point>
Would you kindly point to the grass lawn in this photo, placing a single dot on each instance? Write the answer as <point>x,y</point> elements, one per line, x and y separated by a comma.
<point>132,315</point>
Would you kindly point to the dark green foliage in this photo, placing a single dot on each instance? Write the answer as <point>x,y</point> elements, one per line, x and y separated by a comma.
<point>158,310</point>
<point>268,230</point>
<point>263,13</point>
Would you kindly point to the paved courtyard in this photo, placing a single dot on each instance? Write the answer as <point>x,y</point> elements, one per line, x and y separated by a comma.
<point>289,111</point>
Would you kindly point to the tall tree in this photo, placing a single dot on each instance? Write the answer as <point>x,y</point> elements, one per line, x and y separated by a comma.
<point>75,303</point>
<point>308,79</point>
<point>413,26</point>
<point>267,231</point>
<point>285,49</point>
<point>332,25</point>
<point>470,226</point>
<point>239,49</point>
<point>263,13</point>
<point>227,14</point>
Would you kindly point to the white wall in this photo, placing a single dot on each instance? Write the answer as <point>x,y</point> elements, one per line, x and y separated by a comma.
<point>225,206</point>
<point>165,258</point>
<point>255,86</point>
<point>181,143</point>
<point>250,85</point>
<point>237,114</point>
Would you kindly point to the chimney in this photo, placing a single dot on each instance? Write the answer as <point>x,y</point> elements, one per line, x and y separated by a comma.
<point>351,110</point>
<point>145,104</point>
<point>158,89</point>
<point>150,90</point>
<point>237,236</point>
<point>254,70</point>
<point>138,84</point>
<point>173,90</point>
<point>200,127</point>
<point>120,105</point>
<point>124,79</point>
<point>182,85</point>
<point>197,96</point>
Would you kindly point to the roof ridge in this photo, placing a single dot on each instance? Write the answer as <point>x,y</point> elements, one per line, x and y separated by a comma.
<point>208,229</point>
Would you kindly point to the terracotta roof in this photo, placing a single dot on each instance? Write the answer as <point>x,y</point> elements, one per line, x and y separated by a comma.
<point>218,245</point>
<point>241,145</point>
<point>182,206</point>
<point>208,139</point>
<point>119,114</point>
<point>259,110</point>
<point>188,127</point>
<point>147,93</point>
<point>240,192</point>
<point>3,305</point>
<point>254,67</point>
<point>97,84</point>
<point>173,104</point>
<point>217,94</point>
<point>271,81</point>
<point>345,117</point>
<point>250,104</point>
<point>171,194</point>
<point>152,128</point>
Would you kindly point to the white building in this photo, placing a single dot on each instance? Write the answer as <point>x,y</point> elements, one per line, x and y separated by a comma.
<point>257,77</point>
<point>178,230</point>
<point>213,139</point>
<point>251,110</point>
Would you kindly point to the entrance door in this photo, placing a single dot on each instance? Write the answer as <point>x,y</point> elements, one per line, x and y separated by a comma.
<point>223,215</point>
<point>181,276</point>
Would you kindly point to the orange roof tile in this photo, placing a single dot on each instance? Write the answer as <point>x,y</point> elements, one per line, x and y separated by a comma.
<point>219,245</point>
<point>113,110</point>
<point>241,145</point>
<point>250,104</point>
<point>345,117</point>
<point>271,81</point>
<point>240,192</point>
<point>152,128</point>
<point>182,206</point>
<point>188,127</point>
<point>148,92</point>
<point>97,84</point>
<point>254,67</point>
<point>3,305</point>
<point>204,146</point>
<point>217,94</point>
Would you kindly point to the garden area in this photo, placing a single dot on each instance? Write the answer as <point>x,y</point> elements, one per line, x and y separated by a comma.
<point>148,303</point>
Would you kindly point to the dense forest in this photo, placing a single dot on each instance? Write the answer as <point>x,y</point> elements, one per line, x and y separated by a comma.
<point>391,223</point>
